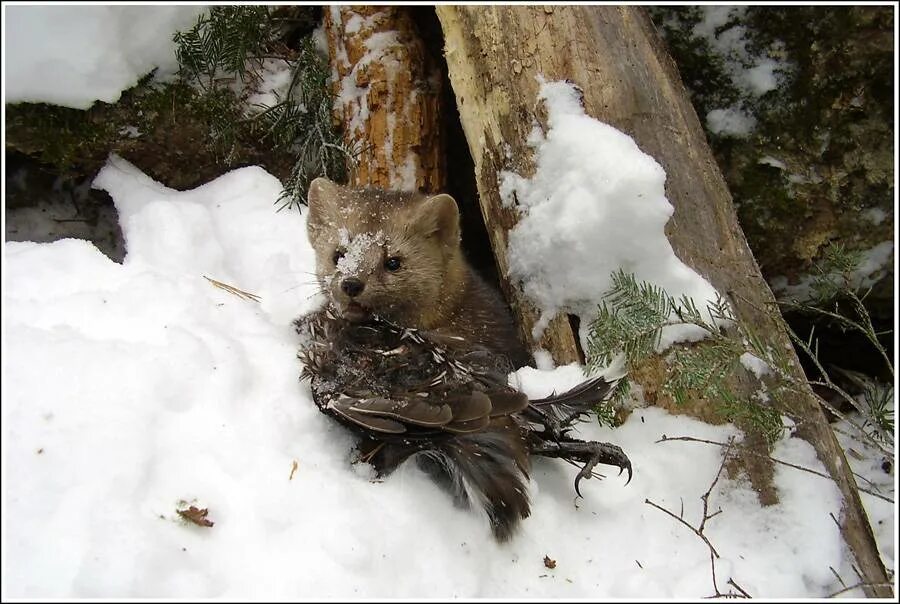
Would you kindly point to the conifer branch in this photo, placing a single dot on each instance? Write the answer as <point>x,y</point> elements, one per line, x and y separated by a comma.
<point>229,45</point>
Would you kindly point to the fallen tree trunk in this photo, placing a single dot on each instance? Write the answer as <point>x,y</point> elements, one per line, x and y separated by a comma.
<point>494,55</point>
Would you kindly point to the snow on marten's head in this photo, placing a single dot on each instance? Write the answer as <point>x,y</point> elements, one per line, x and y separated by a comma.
<point>387,253</point>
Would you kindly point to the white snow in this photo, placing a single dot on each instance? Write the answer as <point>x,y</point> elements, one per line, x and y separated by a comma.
<point>272,88</point>
<point>320,40</point>
<point>596,203</point>
<point>752,74</point>
<point>869,466</point>
<point>874,215</point>
<point>730,122</point>
<point>755,75</point>
<point>73,55</point>
<point>768,160</point>
<point>875,261</point>
<point>355,249</point>
<point>129,389</point>
<point>762,78</point>
<point>755,364</point>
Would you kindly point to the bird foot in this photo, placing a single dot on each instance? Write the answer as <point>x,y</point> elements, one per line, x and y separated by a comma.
<point>590,453</point>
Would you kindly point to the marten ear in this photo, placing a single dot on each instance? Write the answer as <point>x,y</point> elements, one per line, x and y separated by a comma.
<point>324,199</point>
<point>439,215</point>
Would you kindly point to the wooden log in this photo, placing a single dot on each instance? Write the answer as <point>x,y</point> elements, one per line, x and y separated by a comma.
<point>388,97</point>
<point>494,55</point>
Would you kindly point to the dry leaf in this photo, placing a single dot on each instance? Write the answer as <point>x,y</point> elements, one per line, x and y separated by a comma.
<point>195,515</point>
<point>549,563</point>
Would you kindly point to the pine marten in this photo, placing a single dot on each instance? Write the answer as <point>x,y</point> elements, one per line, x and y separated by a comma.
<point>414,349</point>
<point>398,255</point>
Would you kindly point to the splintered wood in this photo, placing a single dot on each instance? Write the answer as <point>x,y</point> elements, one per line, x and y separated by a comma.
<point>388,97</point>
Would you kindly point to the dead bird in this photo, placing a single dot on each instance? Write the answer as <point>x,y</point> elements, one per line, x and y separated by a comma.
<point>411,393</point>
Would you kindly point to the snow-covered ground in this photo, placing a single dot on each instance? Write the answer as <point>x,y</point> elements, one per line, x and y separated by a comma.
<point>132,390</point>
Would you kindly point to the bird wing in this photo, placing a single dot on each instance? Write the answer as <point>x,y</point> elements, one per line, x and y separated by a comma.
<point>457,413</point>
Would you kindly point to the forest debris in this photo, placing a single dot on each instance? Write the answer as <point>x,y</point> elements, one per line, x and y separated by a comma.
<point>549,563</point>
<point>196,515</point>
<point>233,290</point>
<point>294,467</point>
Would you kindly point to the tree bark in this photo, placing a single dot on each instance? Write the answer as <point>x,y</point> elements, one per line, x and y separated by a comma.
<point>495,53</point>
<point>388,97</point>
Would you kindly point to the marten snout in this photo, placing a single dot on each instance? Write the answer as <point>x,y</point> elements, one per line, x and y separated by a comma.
<point>352,286</point>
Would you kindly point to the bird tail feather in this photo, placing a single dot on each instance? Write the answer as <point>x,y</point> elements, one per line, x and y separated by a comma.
<point>487,468</point>
<point>565,408</point>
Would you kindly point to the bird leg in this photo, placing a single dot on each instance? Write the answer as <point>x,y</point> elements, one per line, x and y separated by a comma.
<point>590,453</point>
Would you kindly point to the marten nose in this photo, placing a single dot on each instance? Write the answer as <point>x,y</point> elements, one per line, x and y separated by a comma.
<point>352,286</point>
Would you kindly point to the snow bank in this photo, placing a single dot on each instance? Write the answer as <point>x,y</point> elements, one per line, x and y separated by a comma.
<point>130,388</point>
<point>75,55</point>
<point>596,203</point>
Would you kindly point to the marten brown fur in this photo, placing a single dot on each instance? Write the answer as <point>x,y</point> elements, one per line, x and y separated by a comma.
<point>398,255</point>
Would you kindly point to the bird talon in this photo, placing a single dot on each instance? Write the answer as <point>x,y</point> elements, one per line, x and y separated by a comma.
<point>577,481</point>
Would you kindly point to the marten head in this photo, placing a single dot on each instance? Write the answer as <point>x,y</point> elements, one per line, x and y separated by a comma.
<point>387,253</point>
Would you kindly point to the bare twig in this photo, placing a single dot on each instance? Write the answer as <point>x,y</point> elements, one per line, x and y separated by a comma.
<point>836,412</point>
<point>837,576</point>
<point>860,584</point>
<point>705,497</point>
<point>811,350</point>
<point>682,521</point>
<point>739,588</point>
<point>713,554</point>
<point>867,330</point>
<point>837,524</point>
<point>774,459</point>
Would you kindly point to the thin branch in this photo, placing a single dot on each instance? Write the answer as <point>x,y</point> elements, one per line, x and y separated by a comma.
<point>713,554</point>
<point>870,329</point>
<point>774,459</point>
<point>861,584</point>
<point>849,421</point>
<point>705,497</point>
<point>835,573</point>
<point>840,319</point>
<point>853,436</point>
<point>739,588</point>
<point>682,521</point>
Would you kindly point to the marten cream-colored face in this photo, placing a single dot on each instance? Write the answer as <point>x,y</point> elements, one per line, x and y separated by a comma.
<point>379,252</point>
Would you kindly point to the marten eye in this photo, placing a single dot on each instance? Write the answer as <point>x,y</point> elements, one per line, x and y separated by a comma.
<point>392,264</point>
<point>338,254</point>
